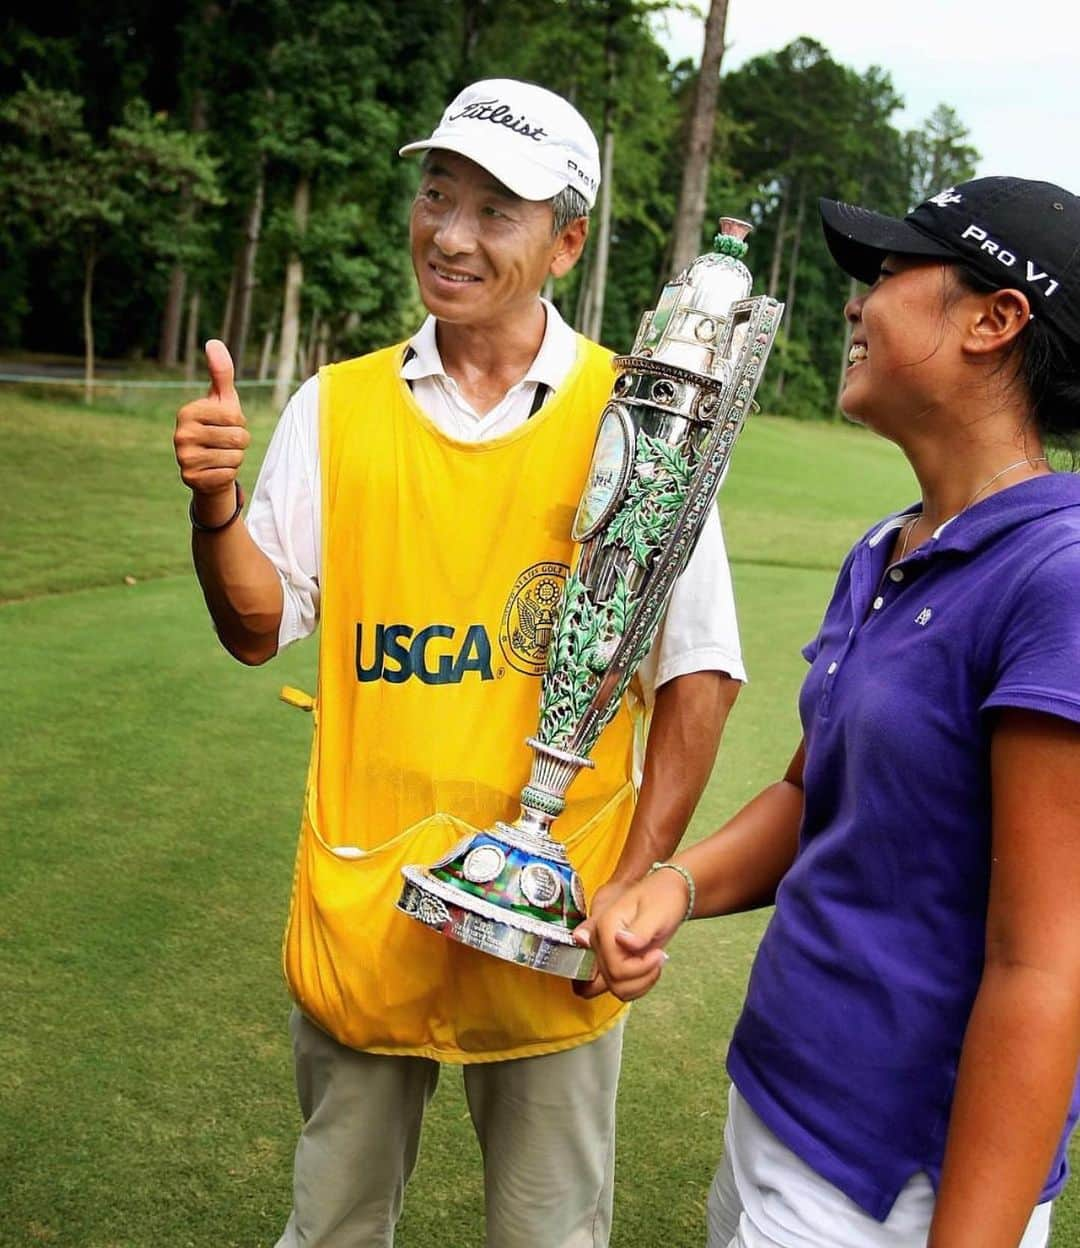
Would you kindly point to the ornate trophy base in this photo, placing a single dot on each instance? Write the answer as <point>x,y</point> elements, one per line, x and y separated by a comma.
<point>509,893</point>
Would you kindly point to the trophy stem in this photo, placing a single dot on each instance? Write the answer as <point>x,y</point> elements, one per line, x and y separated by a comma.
<point>552,771</point>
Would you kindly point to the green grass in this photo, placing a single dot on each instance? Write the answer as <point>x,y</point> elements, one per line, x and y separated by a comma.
<point>151,789</point>
<point>92,495</point>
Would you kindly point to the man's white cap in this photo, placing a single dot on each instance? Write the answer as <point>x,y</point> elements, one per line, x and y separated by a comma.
<point>531,139</point>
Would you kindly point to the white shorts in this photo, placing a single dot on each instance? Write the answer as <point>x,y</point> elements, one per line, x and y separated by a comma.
<point>764,1196</point>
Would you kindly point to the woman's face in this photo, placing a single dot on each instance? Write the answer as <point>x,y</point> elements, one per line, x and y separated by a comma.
<point>905,357</point>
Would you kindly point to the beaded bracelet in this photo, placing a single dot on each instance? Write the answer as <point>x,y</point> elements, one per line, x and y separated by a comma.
<point>198,525</point>
<point>688,879</point>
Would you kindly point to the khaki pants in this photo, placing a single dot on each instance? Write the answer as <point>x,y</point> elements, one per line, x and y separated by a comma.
<point>546,1127</point>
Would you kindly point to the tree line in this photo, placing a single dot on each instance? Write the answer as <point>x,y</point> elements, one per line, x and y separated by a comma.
<point>172,171</point>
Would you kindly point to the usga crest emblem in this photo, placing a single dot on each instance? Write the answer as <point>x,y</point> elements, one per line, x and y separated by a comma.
<point>528,620</point>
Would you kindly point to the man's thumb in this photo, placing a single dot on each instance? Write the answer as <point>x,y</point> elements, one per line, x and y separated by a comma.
<point>220,366</point>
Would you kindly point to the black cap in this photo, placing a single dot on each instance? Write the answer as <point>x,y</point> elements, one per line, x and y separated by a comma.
<point>1017,234</point>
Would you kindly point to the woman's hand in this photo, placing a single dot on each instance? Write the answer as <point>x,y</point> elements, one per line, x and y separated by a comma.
<point>629,936</point>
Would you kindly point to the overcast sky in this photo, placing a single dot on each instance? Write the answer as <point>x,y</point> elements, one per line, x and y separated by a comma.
<point>1010,69</point>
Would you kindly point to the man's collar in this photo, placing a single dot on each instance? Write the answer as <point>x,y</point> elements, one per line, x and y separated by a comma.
<point>548,368</point>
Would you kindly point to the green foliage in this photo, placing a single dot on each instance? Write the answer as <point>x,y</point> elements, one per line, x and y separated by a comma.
<point>53,179</point>
<point>807,126</point>
<point>320,110</point>
<point>939,154</point>
<point>186,109</point>
<point>804,392</point>
<point>73,195</point>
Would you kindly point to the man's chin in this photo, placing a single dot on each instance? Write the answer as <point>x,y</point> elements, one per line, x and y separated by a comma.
<point>449,315</point>
<point>453,309</point>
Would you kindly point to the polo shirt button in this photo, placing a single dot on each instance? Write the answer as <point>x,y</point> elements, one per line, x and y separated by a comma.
<point>878,603</point>
<point>896,574</point>
<point>832,667</point>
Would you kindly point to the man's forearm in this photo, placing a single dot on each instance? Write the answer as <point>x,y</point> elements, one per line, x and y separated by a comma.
<point>687,723</point>
<point>242,591</point>
<point>239,583</point>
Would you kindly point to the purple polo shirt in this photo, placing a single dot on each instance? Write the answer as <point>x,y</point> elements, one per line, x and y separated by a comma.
<point>849,1040</point>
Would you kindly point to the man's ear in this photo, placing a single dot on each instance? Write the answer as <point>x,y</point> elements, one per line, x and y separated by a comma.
<point>996,320</point>
<point>569,246</point>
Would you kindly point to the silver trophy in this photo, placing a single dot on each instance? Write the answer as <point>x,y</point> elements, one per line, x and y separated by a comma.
<point>665,437</point>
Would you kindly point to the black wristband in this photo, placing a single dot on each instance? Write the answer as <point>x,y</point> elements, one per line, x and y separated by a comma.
<point>198,525</point>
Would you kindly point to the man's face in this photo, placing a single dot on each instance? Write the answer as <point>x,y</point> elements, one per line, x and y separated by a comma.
<point>482,254</point>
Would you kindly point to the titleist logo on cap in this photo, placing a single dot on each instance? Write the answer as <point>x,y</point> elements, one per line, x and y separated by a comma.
<point>498,114</point>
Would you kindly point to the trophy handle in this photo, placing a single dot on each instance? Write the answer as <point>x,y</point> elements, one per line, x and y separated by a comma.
<point>748,338</point>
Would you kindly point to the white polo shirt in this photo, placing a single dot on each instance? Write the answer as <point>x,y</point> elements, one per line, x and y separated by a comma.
<point>699,631</point>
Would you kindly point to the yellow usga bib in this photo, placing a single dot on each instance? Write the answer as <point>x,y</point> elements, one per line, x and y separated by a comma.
<point>443,564</point>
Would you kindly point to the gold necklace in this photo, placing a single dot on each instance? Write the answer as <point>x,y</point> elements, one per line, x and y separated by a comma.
<point>1039,459</point>
<point>906,534</point>
<point>909,527</point>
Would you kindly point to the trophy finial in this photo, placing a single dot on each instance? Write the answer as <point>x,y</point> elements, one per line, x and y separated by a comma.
<point>731,240</point>
<point>732,227</point>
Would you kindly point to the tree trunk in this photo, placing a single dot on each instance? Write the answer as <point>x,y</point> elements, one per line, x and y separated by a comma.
<point>584,292</point>
<point>290,306</point>
<point>246,286</point>
<point>88,321</point>
<point>307,353</point>
<point>472,19</point>
<point>793,261</point>
<point>230,300</point>
<point>267,351</point>
<point>793,273</point>
<point>598,276</point>
<point>169,345</point>
<point>191,340</point>
<point>690,214</point>
<point>598,283</point>
<point>322,346</point>
<point>778,242</point>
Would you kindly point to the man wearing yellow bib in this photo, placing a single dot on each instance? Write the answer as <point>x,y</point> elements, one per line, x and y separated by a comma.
<point>417,504</point>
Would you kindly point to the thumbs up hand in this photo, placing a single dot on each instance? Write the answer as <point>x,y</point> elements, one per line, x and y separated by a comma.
<point>211,437</point>
<point>220,367</point>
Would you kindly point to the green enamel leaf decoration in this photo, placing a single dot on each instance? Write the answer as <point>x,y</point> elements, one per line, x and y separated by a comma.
<point>589,635</point>
<point>586,641</point>
<point>654,497</point>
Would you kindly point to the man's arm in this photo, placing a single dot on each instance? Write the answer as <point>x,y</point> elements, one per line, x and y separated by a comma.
<point>687,723</point>
<point>240,584</point>
<point>695,669</point>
